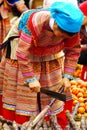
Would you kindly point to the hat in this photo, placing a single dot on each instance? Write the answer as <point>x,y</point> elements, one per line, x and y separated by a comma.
<point>83,7</point>
<point>11,2</point>
<point>67,16</point>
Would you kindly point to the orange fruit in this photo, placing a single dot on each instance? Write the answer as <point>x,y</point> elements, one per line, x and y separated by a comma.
<point>85,95</point>
<point>75,90</point>
<point>74,97</point>
<point>80,94</point>
<point>81,110</point>
<point>80,81</point>
<point>82,104</point>
<point>73,86</point>
<point>79,86</point>
<point>73,82</point>
<point>85,103</point>
<point>85,114</point>
<point>74,102</point>
<point>85,84</point>
<point>81,99</point>
<point>84,89</point>
<point>81,90</point>
<point>86,108</point>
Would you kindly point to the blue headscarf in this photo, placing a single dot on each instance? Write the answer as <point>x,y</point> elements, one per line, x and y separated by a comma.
<point>67,16</point>
<point>11,1</point>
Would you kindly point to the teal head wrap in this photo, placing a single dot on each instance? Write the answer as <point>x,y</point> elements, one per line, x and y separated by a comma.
<point>67,16</point>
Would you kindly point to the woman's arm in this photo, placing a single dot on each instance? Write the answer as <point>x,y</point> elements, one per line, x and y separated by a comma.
<point>72,52</point>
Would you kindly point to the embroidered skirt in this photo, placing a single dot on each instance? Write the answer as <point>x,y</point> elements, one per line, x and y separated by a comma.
<point>18,98</point>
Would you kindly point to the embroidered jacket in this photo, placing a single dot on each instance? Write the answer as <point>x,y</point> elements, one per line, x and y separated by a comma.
<point>38,42</point>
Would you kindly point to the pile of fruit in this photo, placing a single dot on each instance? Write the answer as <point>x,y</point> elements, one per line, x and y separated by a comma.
<point>79,93</point>
<point>77,72</point>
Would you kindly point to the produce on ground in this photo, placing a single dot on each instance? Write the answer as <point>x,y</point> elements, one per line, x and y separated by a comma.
<point>79,93</point>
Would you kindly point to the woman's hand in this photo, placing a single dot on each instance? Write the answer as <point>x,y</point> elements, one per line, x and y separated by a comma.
<point>66,84</point>
<point>35,86</point>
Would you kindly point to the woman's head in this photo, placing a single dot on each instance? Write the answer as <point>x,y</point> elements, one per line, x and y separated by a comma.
<point>68,17</point>
<point>61,33</point>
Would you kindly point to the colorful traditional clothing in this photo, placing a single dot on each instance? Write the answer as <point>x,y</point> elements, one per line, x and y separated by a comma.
<point>6,14</point>
<point>4,22</point>
<point>33,4</point>
<point>40,55</point>
<point>46,57</point>
<point>4,28</point>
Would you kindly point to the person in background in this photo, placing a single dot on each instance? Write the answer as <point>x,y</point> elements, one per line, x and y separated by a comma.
<point>80,1</point>
<point>47,53</point>
<point>10,10</point>
<point>47,3</point>
<point>4,22</point>
<point>7,12</point>
<point>17,7</point>
<point>8,63</point>
<point>83,56</point>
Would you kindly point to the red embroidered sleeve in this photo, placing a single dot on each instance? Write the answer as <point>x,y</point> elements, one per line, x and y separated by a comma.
<point>72,52</point>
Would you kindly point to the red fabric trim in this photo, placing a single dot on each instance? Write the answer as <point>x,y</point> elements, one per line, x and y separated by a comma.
<point>61,117</point>
<point>21,119</point>
<point>0,104</point>
<point>8,114</point>
<point>62,120</point>
<point>84,69</point>
<point>68,105</point>
<point>47,118</point>
<point>30,26</point>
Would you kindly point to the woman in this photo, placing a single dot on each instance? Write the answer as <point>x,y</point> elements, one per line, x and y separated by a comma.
<point>46,62</point>
<point>7,12</point>
<point>41,58</point>
<point>10,10</point>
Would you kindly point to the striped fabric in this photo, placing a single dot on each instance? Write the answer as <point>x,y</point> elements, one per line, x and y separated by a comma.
<point>47,68</point>
<point>71,54</point>
<point>4,28</point>
<point>18,97</point>
<point>49,73</point>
